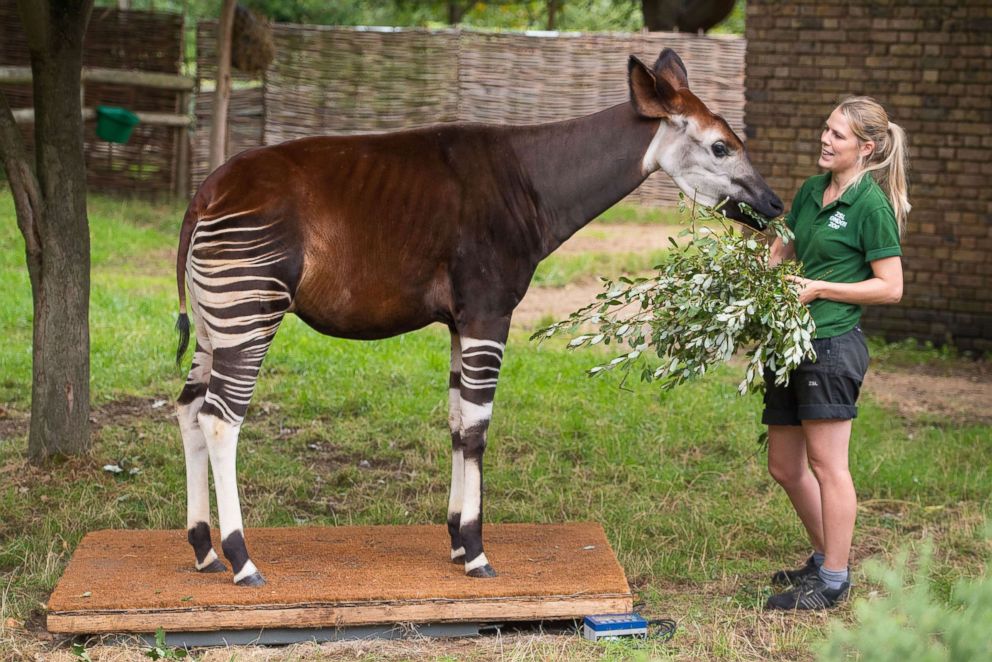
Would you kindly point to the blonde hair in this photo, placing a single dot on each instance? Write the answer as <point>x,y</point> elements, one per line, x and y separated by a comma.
<point>889,161</point>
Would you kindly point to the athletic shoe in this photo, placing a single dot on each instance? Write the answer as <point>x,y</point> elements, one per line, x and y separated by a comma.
<point>794,577</point>
<point>811,593</point>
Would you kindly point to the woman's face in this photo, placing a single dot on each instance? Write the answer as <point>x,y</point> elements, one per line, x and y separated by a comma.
<point>840,149</point>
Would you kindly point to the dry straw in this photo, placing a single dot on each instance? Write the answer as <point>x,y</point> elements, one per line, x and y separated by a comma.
<point>252,47</point>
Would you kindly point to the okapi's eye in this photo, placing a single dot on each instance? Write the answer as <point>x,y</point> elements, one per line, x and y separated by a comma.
<point>720,150</point>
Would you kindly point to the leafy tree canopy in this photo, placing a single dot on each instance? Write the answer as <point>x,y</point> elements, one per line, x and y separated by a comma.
<point>569,15</point>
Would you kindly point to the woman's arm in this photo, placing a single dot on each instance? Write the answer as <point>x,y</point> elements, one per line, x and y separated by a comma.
<point>884,287</point>
<point>780,252</point>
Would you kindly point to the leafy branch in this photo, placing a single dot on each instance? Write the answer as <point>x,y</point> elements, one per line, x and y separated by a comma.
<point>715,295</point>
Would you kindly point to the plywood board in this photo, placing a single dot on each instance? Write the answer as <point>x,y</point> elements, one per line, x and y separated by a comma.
<point>137,581</point>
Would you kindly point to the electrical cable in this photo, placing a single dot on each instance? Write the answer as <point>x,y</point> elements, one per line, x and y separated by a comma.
<point>665,628</point>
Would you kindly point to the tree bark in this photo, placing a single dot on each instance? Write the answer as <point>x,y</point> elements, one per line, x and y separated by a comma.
<point>51,214</point>
<point>553,7</point>
<point>456,11</point>
<point>222,91</point>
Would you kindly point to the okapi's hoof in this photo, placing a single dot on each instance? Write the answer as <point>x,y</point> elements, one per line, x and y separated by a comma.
<point>459,560</point>
<point>482,572</point>
<point>254,579</point>
<point>216,566</point>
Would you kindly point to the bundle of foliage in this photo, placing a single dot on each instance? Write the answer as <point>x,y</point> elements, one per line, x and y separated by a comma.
<point>715,295</point>
<point>911,623</point>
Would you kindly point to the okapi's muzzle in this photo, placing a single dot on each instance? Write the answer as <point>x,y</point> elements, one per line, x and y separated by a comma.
<point>767,204</point>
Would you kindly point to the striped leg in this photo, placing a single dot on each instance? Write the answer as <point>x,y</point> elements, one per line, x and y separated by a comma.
<point>457,452</point>
<point>237,276</point>
<point>232,383</point>
<point>481,358</point>
<point>197,459</point>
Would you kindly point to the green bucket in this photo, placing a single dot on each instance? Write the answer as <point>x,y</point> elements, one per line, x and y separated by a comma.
<point>115,124</point>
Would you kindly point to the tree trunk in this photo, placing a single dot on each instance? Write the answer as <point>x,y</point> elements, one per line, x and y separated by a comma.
<point>684,15</point>
<point>222,91</point>
<point>553,7</point>
<point>456,11</point>
<point>51,213</point>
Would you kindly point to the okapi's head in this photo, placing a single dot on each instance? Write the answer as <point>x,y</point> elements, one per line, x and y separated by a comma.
<point>696,147</point>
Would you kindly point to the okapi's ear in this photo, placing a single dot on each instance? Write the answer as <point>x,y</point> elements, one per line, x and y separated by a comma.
<point>652,97</point>
<point>670,68</point>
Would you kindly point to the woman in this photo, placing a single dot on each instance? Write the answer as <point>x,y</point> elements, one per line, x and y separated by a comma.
<point>847,223</point>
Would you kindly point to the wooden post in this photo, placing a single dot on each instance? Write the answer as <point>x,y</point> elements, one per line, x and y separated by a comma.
<point>222,90</point>
<point>182,152</point>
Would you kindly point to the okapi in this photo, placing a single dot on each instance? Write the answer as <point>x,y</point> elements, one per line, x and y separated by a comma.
<point>372,236</point>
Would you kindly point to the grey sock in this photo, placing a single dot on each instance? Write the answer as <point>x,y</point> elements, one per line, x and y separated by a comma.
<point>834,579</point>
<point>818,558</point>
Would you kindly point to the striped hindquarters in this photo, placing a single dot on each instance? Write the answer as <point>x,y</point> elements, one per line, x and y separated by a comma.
<point>239,273</point>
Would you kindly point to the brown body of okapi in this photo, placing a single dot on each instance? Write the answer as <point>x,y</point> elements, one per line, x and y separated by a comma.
<point>371,236</point>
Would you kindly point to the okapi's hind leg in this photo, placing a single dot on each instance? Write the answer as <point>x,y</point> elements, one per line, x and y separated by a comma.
<point>197,460</point>
<point>239,277</point>
<point>232,382</point>
<point>481,346</point>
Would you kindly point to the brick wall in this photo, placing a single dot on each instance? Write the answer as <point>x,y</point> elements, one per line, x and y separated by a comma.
<point>929,62</point>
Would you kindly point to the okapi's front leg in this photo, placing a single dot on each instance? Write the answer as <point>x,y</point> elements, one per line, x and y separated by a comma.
<point>481,357</point>
<point>457,452</point>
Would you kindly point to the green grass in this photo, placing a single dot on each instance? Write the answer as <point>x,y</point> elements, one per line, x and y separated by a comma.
<point>560,270</point>
<point>633,214</point>
<point>677,479</point>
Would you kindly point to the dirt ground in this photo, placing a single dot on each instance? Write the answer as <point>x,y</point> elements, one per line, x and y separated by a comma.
<point>619,239</point>
<point>558,302</point>
<point>958,392</point>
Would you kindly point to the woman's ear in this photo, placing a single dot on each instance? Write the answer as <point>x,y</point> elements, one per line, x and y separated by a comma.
<point>866,149</point>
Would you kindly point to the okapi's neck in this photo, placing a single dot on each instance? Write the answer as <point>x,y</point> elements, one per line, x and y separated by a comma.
<point>579,168</point>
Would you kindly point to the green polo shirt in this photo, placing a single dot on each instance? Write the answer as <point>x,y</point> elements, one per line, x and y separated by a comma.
<point>837,243</point>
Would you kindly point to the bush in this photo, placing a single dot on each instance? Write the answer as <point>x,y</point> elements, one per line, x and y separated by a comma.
<point>911,624</point>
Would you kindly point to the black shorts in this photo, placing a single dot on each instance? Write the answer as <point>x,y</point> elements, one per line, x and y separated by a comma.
<point>827,388</point>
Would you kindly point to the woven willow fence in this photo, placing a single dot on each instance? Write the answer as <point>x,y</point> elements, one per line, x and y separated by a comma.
<point>145,41</point>
<point>342,80</point>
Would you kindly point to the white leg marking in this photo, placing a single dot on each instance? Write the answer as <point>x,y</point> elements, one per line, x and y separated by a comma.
<point>477,562</point>
<point>211,557</point>
<point>246,571</point>
<point>222,445</point>
<point>454,410</point>
<point>197,465</point>
<point>455,553</point>
<point>473,491</point>
<point>457,483</point>
<point>473,414</point>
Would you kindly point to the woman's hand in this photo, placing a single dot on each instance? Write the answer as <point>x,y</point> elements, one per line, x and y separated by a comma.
<point>780,251</point>
<point>809,290</point>
<point>884,287</point>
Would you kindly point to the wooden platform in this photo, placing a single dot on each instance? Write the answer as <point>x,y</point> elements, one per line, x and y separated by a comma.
<point>137,581</point>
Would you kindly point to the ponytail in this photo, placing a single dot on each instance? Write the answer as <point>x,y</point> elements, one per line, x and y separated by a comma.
<point>890,160</point>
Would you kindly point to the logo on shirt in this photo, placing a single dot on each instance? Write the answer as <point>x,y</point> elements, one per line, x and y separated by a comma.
<point>837,221</point>
<point>813,382</point>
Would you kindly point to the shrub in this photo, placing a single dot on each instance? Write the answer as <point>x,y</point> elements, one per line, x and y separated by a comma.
<point>911,624</point>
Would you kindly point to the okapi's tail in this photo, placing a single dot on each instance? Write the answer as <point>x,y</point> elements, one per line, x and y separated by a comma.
<point>182,324</point>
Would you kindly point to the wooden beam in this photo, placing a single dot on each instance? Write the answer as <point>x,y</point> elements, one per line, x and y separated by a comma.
<point>15,75</point>
<point>26,116</point>
<point>161,81</point>
<point>523,608</point>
